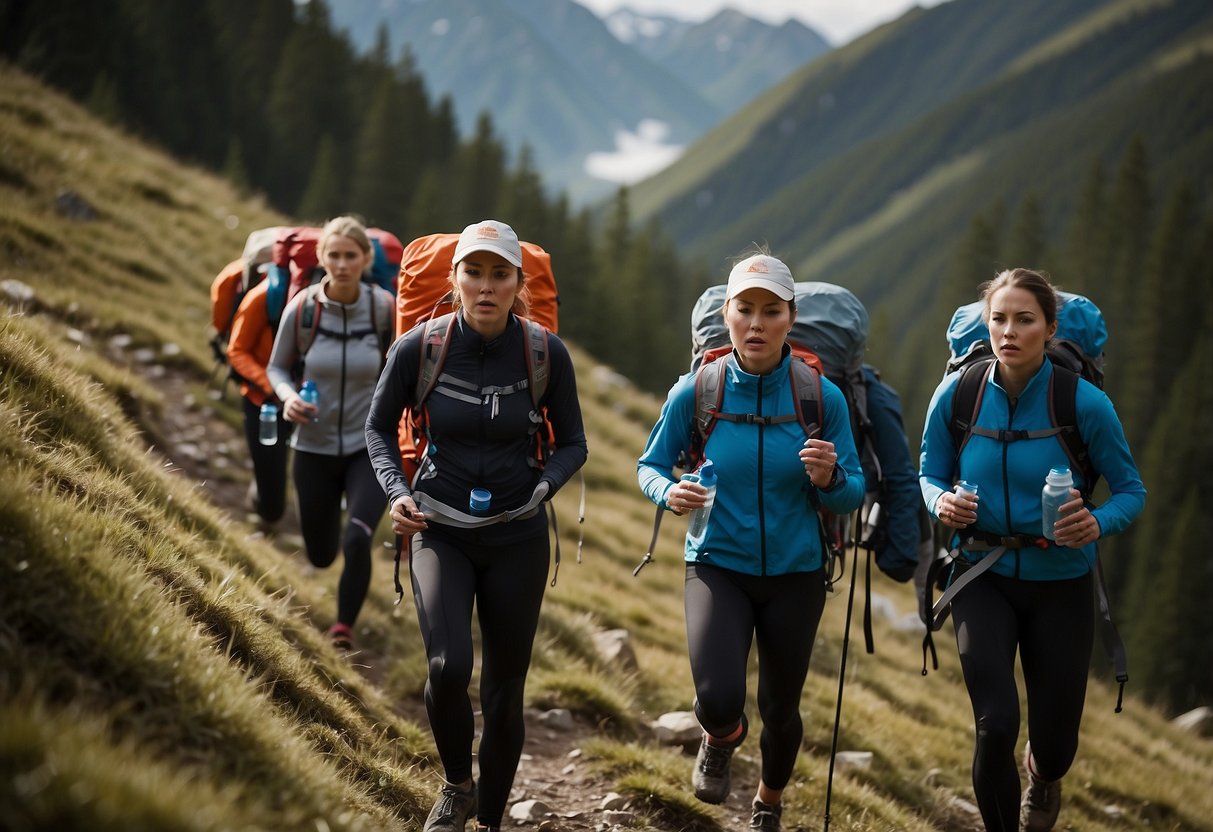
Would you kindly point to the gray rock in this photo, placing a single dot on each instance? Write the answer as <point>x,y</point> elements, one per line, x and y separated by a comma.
<point>615,649</point>
<point>1197,721</point>
<point>677,728</point>
<point>529,811</point>
<point>844,760</point>
<point>560,719</point>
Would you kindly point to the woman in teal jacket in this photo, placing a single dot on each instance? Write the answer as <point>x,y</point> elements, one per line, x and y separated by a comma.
<point>757,572</point>
<point>1037,599</point>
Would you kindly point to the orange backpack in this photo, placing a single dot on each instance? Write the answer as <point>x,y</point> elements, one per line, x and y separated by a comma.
<point>424,293</point>
<point>424,286</point>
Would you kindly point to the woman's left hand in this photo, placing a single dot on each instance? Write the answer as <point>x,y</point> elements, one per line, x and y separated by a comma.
<point>819,460</point>
<point>1078,525</point>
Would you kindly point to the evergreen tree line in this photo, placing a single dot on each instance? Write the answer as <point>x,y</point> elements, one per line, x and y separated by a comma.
<point>265,92</point>
<point>1146,260</point>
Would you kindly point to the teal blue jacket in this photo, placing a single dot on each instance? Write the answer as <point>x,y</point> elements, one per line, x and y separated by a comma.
<point>1010,475</point>
<point>763,522</point>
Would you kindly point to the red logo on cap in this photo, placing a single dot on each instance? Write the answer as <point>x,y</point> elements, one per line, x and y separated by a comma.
<point>758,266</point>
<point>487,231</point>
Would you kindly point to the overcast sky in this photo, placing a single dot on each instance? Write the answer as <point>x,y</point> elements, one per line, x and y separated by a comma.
<point>839,21</point>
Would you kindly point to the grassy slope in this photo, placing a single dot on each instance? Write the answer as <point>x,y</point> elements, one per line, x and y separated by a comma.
<point>159,671</point>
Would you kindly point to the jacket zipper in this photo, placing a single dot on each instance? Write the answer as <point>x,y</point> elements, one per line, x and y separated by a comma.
<point>762,524</point>
<point>1006,486</point>
<point>345,331</point>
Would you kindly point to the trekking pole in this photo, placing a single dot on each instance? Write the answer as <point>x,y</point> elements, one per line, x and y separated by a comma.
<point>842,675</point>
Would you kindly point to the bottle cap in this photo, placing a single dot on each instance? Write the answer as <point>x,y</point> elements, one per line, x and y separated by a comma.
<point>479,499</point>
<point>269,407</point>
<point>707,473</point>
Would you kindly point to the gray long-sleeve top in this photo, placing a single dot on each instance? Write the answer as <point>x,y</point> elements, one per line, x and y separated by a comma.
<point>344,360</point>
<point>471,446</point>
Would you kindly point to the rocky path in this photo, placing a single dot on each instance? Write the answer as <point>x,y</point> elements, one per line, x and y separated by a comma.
<point>555,790</point>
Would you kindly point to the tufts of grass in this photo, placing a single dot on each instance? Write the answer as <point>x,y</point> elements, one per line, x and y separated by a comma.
<point>603,698</point>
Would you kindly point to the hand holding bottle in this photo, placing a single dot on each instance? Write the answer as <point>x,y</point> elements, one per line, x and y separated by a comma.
<point>1077,526</point>
<point>958,508</point>
<point>686,495</point>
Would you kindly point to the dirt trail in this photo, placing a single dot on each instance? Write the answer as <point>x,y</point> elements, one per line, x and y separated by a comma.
<point>208,450</point>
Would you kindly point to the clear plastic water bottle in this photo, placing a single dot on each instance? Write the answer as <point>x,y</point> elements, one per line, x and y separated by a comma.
<point>479,500</point>
<point>310,395</point>
<point>267,431</point>
<point>968,489</point>
<point>706,477</point>
<point>1056,492</point>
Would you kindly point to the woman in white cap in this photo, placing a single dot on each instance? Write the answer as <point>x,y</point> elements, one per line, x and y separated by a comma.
<point>757,572</point>
<point>481,425</point>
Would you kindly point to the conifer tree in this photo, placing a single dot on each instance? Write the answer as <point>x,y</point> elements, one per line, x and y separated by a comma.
<point>1027,246</point>
<point>572,250</point>
<point>480,173</point>
<point>1129,233</point>
<point>381,183</point>
<point>1086,256</point>
<point>523,203</point>
<point>431,210</point>
<point>308,97</point>
<point>324,197</point>
<point>1147,374</point>
<point>233,167</point>
<point>604,295</point>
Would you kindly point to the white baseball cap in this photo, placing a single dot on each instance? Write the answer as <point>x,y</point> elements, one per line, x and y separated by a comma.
<point>489,235</point>
<point>762,271</point>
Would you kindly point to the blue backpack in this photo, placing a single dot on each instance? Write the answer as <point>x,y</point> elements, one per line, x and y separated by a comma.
<point>1077,351</point>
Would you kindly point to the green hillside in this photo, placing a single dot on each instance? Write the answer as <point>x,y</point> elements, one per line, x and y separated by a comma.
<point>161,670</point>
<point>867,168</point>
<point>1075,137</point>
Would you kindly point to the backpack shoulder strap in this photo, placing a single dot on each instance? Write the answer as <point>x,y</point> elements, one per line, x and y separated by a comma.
<point>709,393</point>
<point>278,281</point>
<point>1063,412</point>
<point>806,395</point>
<point>966,401</point>
<point>382,307</point>
<point>307,321</point>
<point>435,341</point>
<point>538,363</point>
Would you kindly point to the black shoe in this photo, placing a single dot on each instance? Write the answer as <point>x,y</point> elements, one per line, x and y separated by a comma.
<point>1041,801</point>
<point>711,776</point>
<point>766,816</point>
<point>451,812</point>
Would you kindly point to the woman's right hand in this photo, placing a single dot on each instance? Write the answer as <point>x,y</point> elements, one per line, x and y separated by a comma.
<point>406,517</point>
<point>686,496</point>
<point>296,410</point>
<point>956,511</point>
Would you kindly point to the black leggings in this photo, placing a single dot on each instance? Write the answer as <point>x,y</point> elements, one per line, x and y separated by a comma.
<point>725,611</point>
<point>320,481</point>
<point>1052,623</point>
<point>269,463</point>
<point>506,582</point>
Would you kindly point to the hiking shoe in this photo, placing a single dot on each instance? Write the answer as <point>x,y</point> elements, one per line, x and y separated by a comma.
<point>451,812</point>
<point>711,775</point>
<point>1041,801</point>
<point>342,637</point>
<point>766,816</point>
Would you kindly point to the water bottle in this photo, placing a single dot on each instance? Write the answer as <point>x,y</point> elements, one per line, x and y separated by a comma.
<point>966,488</point>
<point>268,426</point>
<point>478,501</point>
<point>699,517</point>
<point>311,395</point>
<point>1056,492</point>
